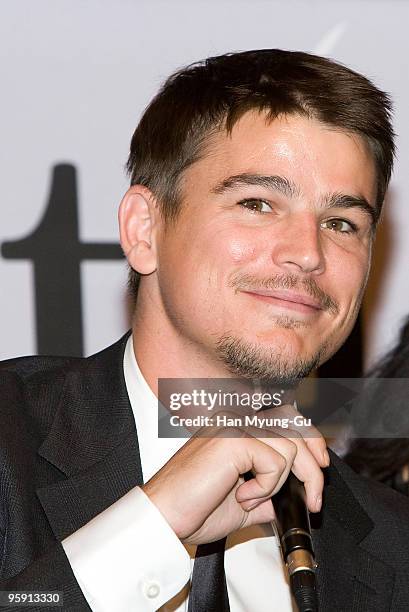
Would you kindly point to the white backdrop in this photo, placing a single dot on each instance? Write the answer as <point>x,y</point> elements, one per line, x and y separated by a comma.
<point>75,77</point>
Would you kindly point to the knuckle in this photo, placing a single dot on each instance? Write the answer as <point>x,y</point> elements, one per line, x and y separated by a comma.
<point>315,435</point>
<point>279,464</point>
<point>296,434</point>
<point>292,448</point>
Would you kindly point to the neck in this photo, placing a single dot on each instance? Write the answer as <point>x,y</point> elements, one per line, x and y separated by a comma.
<point>162,352</point>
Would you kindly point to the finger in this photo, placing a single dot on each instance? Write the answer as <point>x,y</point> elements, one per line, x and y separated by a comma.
<point>314,441</point>
<point>293,450</point>
<point>253,503</point>
<point>318,447</point>
<point>285,414</point>
<point>262,513</point>
<point>268,466</point>
<point>260,485</point>
<point>296,422</point>
<point>304,465</point>
<point>307,469</point>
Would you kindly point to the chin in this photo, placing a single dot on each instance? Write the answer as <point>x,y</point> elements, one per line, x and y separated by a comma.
<point>284,340</point>
<point>280,360</point>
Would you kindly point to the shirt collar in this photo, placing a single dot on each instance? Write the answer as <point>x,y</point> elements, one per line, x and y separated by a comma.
<point>154,451</point>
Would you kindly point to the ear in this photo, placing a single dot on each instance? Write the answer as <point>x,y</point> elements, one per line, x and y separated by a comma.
<point>138,214</point>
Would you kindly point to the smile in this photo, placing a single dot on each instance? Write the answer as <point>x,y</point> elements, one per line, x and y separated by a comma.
<point>287,299</point>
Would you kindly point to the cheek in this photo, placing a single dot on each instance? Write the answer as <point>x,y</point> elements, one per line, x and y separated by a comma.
<point>241,245</point>
<point>241,251</point>
<point>218,256</point>
<point>348,284</point>
<point>221,247</point>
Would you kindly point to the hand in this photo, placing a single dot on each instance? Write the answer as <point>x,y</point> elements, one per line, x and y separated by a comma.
<point>201,491</point>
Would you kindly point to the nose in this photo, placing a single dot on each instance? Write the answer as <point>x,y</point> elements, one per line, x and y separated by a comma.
<point>298,247</point>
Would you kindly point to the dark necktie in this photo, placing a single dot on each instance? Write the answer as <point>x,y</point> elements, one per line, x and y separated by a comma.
<point>208,591</point>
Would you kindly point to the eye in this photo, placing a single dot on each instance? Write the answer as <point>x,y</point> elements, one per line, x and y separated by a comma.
<point>340,225</point>
<point>256,205</point>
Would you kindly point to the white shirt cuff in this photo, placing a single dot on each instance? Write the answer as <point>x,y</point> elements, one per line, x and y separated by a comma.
<point>128,557</point>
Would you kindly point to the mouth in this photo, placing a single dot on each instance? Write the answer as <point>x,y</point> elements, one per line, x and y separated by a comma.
<point>290,300</point>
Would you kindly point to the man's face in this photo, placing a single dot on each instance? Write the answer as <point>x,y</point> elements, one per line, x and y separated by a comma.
<point>265,267</point>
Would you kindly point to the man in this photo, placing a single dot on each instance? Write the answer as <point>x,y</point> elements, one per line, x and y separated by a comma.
<point>257,180</point>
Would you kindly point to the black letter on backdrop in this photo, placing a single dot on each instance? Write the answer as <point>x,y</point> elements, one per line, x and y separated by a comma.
<point>56,253</point>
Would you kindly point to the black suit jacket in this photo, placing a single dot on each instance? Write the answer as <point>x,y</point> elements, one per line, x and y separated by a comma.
<point>69,449</point>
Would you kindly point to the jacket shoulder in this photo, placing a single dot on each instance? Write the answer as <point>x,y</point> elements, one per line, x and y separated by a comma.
<point>30,366</point>
<point>381,502</point>
<point>51,368</point>
<point>31,387</point>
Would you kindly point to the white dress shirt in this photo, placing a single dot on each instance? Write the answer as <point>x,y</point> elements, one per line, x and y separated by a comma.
<point>129,559</point>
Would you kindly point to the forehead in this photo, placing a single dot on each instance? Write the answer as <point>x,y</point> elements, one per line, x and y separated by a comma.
<point>316,157</point>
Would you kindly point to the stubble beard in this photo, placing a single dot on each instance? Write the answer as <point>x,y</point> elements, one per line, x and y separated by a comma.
<point>267,365</point>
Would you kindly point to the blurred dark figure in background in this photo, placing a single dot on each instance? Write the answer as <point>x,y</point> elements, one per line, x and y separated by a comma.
<point>386,459</point>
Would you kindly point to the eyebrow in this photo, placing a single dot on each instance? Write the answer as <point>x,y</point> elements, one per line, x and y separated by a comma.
<point>276,183</point>
<point>289,189</point>
<point>340,200</point>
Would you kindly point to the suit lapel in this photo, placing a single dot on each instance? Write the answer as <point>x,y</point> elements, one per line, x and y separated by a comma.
<point>348,577</point>
<point>93,442</point>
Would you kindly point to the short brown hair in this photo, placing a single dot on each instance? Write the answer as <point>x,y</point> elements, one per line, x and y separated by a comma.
<point>213,94</point>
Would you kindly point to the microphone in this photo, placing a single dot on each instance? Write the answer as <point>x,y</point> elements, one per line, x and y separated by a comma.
<point>294,530</point>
